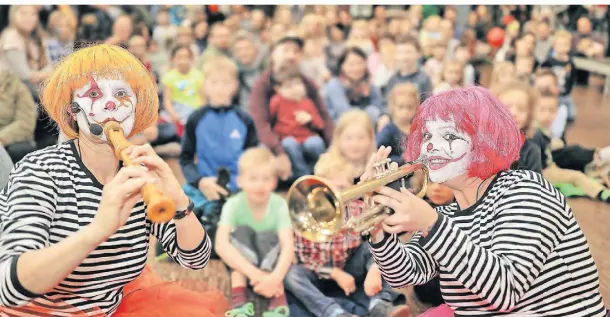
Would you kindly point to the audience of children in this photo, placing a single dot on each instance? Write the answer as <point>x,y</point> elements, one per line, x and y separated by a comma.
<point>339,277</point>
<point>297,121</point>
<point>215,135</point>
<point>255,238</point>
<point>217,82</point>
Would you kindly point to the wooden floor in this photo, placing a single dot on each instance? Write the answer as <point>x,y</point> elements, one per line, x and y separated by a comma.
<point>592,129</point>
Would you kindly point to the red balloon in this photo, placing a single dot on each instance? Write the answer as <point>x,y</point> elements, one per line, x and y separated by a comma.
<point>495,37</point>
<point>508,19</point>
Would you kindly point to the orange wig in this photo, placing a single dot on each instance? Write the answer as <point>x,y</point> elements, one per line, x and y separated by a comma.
<point>102,61</point>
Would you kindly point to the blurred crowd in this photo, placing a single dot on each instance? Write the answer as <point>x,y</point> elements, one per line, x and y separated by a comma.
<point>316,84</point>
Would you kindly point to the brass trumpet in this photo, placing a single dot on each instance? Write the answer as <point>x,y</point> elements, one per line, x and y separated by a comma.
<point>159,207</point>
<point>318,210</point>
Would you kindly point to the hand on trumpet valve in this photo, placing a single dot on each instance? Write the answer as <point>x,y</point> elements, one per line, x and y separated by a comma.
<point>158,168</point>
<point>411,213</point>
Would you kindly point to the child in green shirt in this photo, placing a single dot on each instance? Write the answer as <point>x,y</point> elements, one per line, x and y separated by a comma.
<point>183,87</point>
<point>254,236</point>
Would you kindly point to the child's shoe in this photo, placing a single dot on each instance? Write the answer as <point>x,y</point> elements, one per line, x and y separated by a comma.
<point>245,310</point>
<point>281,311</point>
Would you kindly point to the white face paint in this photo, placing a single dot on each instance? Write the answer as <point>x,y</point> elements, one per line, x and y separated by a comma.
<point>447,151</point>
<point>103,100</point>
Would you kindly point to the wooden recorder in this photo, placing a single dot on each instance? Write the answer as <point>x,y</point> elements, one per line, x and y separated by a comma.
<point>159,207</point>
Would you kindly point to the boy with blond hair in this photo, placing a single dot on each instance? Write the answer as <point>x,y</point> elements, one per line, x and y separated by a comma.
<point>254,236</point>
<point>216,134</point>
<point>326,275</point>
<point>562,64</point>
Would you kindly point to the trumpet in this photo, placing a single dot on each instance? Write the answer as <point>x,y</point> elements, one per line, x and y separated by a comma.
<point>318,210</point>
<point>160,208</point>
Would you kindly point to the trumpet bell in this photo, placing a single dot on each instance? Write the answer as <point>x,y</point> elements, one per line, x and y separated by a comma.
<point>316,209</point>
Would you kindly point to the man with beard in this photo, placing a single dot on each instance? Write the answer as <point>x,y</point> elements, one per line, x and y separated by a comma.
<point>286,51</point>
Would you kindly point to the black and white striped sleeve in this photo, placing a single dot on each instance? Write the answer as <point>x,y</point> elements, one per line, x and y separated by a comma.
<point>27,207</point>
<point>529,221</point>
<point>195,259</point>
<point>403,264</point>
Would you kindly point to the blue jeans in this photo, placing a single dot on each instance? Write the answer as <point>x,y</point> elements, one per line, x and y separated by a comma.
<point>309,295</point>
<point>303,156</point>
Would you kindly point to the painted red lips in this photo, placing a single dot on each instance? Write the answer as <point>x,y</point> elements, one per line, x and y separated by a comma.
<point>438,162</point>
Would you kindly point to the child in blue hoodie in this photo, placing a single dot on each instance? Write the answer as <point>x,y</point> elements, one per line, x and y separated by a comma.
<point>215,135</point>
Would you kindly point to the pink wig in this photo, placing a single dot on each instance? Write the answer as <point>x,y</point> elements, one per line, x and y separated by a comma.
<point>496,139</point>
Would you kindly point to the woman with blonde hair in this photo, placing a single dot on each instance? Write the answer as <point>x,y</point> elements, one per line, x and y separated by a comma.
<point>75,233</point>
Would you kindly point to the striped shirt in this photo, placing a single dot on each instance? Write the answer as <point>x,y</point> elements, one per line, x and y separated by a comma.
<point>51,195</point>
<point>518,251</point>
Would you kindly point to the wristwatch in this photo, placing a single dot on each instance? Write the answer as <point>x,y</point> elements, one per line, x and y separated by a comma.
<point>183,213</point>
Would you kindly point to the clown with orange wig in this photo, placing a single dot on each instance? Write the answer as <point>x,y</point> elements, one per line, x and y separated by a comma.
<point>74,233</point>
<point>509,245</point>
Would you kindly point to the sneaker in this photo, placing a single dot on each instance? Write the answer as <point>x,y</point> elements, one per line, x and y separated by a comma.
<point>386,309</point>
<point>281,311</point>
<point>245,310</point>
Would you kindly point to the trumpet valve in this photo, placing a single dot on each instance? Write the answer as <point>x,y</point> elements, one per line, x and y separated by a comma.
<point>383,168</point>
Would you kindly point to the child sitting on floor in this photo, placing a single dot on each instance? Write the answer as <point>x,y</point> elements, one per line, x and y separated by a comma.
<point>255,238</point>
<point>403,102</point>
<point>354,140</point>
<point>546,81</point>
<point>561,164</point>
<point>345,261</point>
<point>216,135</point>
<point>297,121</point>
<point>183,85</point>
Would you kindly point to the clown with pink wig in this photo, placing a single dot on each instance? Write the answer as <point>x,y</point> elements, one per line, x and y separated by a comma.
<point>509,245</point>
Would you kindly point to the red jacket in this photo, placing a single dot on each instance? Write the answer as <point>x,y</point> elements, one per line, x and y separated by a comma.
<point>260,98</point>
<point>283,112</point>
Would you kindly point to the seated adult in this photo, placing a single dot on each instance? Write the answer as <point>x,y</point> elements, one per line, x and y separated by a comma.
<point>21,48</point>
<point>17,117</point>
<point>286,51</point>
<point>352,87</point>
<point>74,229</point>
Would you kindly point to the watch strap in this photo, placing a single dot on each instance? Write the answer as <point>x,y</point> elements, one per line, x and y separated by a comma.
<point>183,213</point>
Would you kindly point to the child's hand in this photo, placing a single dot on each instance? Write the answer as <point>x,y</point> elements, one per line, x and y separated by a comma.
<point>345,280</point>
<point>268,286</point>
<point>372,282</point>
<point>210,189</point>
<point>302,117</point>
